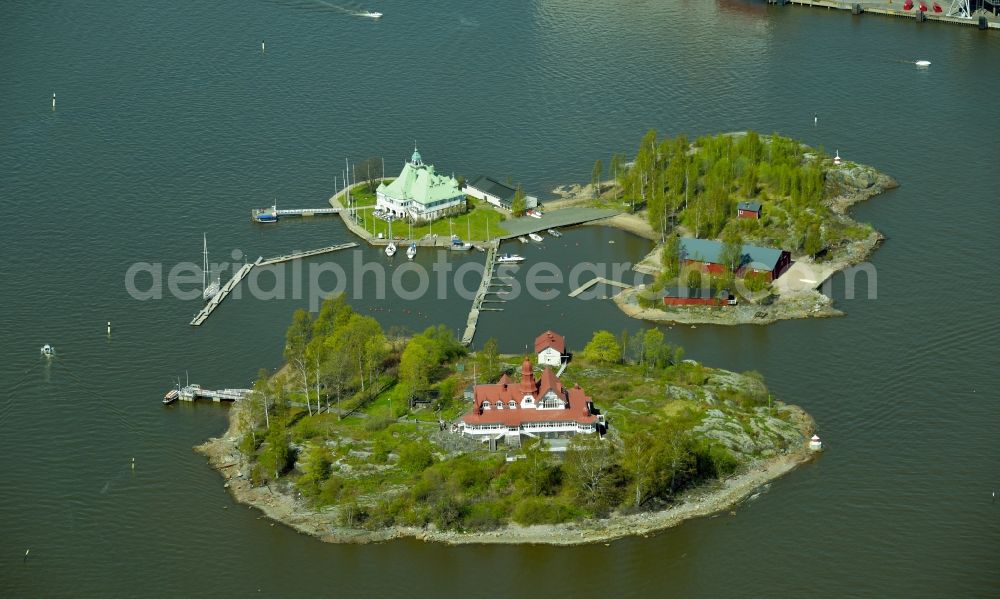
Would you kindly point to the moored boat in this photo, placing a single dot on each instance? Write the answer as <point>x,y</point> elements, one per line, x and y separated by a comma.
<point>411,251</point>
<point>535,237</point>
<point>510,258</point>
<point>390,250</point>
<point>266,215</point>
<point>554,233</point>
<point>171,396</point>
<point>522,239</point>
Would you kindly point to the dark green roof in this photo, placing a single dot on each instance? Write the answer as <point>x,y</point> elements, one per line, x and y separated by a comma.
<point>494,188</point>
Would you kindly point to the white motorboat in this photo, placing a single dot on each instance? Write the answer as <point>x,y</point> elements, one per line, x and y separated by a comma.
<point>923,63</point>
<point>209,290</point>
<point>370,14</point>
<point>411,251</point>
<point>510,259</point>
<point>48,351</point>
<point>522,239</point>
<point>554,233</point>
<point>535,237</point>
<point>390,250</point>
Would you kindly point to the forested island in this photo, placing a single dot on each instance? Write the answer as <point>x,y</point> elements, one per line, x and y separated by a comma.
<point>725,210</point>
<point>355,439</point>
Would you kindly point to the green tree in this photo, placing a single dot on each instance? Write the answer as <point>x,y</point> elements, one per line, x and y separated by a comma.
<point>670,256</point>
<point>603,347</point>
<point>296,341</point>
<point>417,360</point>
<point>653,347</point>
<point>595,177</point>
<point>732,251</point>
<point>644,461</point>
<point>488,359</point>
<point>519,204</point>
<point>275,457</point>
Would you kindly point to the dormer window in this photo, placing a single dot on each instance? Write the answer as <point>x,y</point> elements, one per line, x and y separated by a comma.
<point>486,405</point>
<point>499,404</point>
<point>511,404</point>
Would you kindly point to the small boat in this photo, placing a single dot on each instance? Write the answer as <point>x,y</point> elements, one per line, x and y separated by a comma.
<point>370,14</point>
<point>534,214</point>
<point>209,290</point>
<point>923,63</point>
<point>535,237</point>
<point>522,239</point>
<point>411,251</point>
<point>171,396</point>
<point>48,351</point>
<point>554,233</point>
<point>510,258</point>
<point>266,215</point>
<point>458,245</point>
<point>390,250</point>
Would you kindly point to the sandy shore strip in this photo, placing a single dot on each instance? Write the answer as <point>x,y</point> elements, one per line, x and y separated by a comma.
<point>284,506</point>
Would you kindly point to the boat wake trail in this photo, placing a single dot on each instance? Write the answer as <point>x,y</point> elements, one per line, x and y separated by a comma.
<point>323,6</point>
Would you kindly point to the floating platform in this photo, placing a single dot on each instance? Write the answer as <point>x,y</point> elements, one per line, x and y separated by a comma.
<point>193,392</point>
<point>306,254</point>
<point>231,284</point>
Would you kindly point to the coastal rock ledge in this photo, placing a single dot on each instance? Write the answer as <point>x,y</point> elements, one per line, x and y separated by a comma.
<point>283,505</point>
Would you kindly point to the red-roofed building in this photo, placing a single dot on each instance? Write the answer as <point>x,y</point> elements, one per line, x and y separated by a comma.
<point>537,408</point>
<point>550,348</point>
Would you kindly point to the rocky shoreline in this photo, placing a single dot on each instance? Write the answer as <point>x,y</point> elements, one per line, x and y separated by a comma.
<point>283,504</point>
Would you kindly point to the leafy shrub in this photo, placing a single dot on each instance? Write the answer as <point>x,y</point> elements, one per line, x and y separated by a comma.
<point>415,457</point>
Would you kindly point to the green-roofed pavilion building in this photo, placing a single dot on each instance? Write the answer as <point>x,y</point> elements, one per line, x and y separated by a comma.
<point>420,193</point>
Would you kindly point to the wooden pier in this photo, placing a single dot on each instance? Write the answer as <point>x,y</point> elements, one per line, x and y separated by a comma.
<point>306,254</point>
<point>256,212</point>
<point>477,303</point>
<point>193,392</point>
<point>593,282</point>
<point>225,291</point>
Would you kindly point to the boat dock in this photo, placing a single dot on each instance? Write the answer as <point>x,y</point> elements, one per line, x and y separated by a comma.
<point>306,254</point>
<point>593,282</point>
<point>951,12</point>
<point>477,303</point>
<point>256,212</point>
<point>223,293</point>
<point>193,392</point>
<point>563,217</point>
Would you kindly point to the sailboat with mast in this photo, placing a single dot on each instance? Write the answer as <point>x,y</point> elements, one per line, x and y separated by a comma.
<point>209,290</point>
<point>390,250</point>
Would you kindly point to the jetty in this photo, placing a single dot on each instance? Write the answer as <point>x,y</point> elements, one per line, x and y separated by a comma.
<point>306,254</point>
<point>223,293</point>
<point>593,282</point>
<point>193,392</point>
<point>256,212</point>
<point>954,12</point>
<point>477,303</point>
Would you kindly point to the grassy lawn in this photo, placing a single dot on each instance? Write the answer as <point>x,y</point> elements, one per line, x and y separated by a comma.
<point>480,219</point>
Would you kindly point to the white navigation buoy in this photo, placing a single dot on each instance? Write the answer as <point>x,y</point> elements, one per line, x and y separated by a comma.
<point>815,444</point>
<point>261,47</point>
<point>53,101</point>
<point>815,119</point>
<point>109,327</point>
<point>836,159</point>
<point>133,463</point>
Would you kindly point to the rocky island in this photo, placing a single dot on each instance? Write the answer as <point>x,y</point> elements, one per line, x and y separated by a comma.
<point>748,227</point>
<point>365,435</point>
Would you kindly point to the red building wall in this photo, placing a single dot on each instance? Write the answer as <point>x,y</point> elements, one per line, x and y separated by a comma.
<point>691,301</point>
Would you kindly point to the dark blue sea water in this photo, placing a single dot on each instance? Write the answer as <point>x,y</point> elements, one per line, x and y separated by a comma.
<point>170,122</point>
